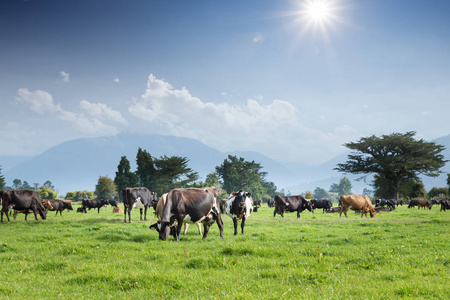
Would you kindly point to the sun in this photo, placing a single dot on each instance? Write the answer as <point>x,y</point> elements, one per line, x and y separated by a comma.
<point>318,11</point>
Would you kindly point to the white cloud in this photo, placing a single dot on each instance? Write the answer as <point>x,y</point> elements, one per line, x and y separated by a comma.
<point>93,123</point>
<point>38,101</point>
<point>102,111</point>
<point>116,80</point>
<point>65,76</point>
<point>275,129</point>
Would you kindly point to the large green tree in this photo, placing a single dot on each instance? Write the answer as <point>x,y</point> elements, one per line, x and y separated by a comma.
<point>105,188</point>
<point>172,172</point>
<point>320,193</point>
<point>239,174</point>
<point>394,159</point>
<point>145,172</point>
<point>124,177</point>
<point>343,188</point>
<point>45,192</point>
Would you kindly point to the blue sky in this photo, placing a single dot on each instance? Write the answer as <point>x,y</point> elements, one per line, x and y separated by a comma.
<point>236,75</point>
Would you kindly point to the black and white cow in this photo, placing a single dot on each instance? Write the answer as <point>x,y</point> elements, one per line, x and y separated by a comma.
<point>193,205</point>
<point>139,197</point>
<point>239,206</point>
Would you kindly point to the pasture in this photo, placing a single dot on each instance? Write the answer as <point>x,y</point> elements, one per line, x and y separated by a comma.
<point>400,254</point>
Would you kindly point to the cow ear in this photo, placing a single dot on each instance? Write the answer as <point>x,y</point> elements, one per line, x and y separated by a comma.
<point>249,194</point>
<point>234,194</point>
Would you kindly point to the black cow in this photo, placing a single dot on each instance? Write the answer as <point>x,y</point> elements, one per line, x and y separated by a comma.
<point>256,205</point>
<point>81,210</point>
<point>321,203</point>
<point>239,207</point>
<point>190,204</point>
<point>333,210</point>
<point>445,204</point>
<point>93,203</point>
<point>382,208</point>
<point>113,203</point>
<point>22,200</point>
<point>139,197</point>
<point>290,204</point>
<point>270,202</point>
<point>59,206</point>
<point>413,203</point>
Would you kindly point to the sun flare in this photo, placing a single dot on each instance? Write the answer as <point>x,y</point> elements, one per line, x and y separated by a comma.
<point>318,11</point>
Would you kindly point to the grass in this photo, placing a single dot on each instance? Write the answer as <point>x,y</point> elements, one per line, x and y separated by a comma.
<point>400,254</point>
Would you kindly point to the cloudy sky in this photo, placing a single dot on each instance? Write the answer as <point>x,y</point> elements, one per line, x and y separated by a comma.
<point>291,79</point>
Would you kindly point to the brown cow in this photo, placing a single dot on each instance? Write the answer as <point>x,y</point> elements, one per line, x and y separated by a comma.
<point>423,203</point>
<point>117,210</point>
<point>356,202</point>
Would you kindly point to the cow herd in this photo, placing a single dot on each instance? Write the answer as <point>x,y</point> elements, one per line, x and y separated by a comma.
<point>200,206</point>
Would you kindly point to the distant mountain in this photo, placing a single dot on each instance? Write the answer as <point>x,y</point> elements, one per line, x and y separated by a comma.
<point>77,164</point>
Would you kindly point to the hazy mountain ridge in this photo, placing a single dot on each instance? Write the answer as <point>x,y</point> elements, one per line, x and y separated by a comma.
<point>77,164</point>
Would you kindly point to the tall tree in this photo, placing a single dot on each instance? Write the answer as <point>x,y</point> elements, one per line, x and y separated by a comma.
<point>238,174</point>
<point>124,177</point>
<point>320,193</point>
<point>105,188</point>
<point>212,180</point>
<point>343,188</point>
<point>172,172</point>
<point>394,159</point>
<point>17,184</point>
<point>2,180</point>
<point>146,172</point>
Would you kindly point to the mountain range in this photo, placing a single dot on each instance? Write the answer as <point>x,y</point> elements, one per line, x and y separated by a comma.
<point>77,164</point>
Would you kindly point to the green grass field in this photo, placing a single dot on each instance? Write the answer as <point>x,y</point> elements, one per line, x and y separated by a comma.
<point>400,254</point>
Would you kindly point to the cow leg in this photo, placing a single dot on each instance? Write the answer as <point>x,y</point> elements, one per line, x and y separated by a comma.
<point>235,223</point>
<point>274,213</point>
<point>56,213</point>
<point>186,226</point>
<point>298,214</point>
<point>243,224</point>
<point>199,227</point>
<point>140,210</point>
<point>15,214</point>
<point>145,213</point>
<point>129,214</point>
<point>179,225</point>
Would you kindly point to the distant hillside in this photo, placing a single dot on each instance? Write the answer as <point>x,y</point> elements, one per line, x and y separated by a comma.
<point>77,164</point>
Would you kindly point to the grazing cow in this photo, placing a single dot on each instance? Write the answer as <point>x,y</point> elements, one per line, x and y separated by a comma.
<point>445,204</point>
<point>321,203</point>
<point>159,210</point>
<point>93,203</point>
<point>290,204</point>
<point>239,207</point>
<point>423,203</point>
<point>383,202</point>
<point>382,208</point>
<point>333,210</point>
<point>59,206</point>
<point>413,203</point>
<point>397,202</point>
<point>435,202</point>
<point>139,197</point>
<point>270,202</point>
<point>81,210</point>
<point>190,204</point>
<point>117,210</point>
<point>22,200</point>
<point>46,204</point>
<point>113,203</point>
<point>356,202</point>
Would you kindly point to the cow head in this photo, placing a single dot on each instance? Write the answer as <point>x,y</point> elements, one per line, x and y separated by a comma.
<point>372,212</point>
<point>43,213</point>
<point>307,205</point>
<point>47,204</point>
<point>241,197</point>
<point>68,205</point>
<point>164,229</point>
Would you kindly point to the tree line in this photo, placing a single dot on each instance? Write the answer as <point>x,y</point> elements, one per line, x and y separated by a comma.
<point>395,161</point>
